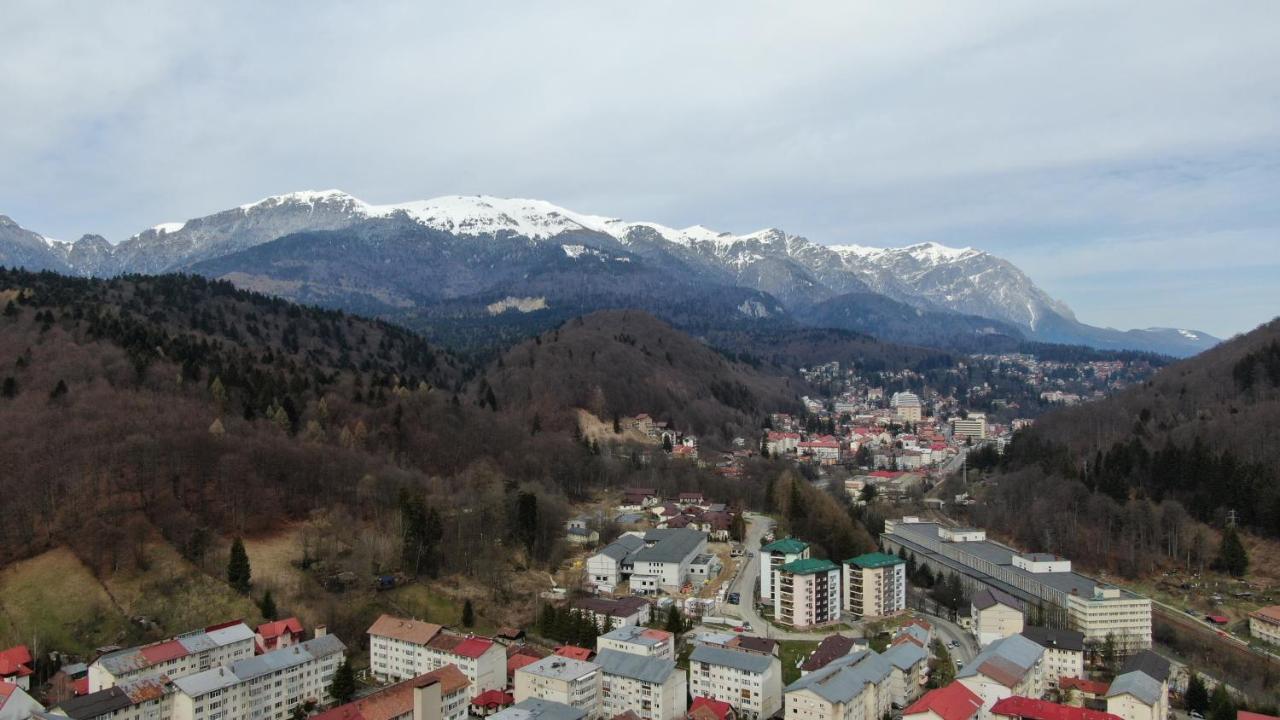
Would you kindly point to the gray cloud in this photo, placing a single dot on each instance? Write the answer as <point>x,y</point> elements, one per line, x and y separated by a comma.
<point>1099,146</point>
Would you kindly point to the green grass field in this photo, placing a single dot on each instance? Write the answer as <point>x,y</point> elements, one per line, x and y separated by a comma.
<point>792,653</point>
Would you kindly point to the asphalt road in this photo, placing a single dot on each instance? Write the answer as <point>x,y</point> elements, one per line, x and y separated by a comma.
<point>949,632</point>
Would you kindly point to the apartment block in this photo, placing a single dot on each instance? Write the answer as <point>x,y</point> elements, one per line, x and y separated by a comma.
<point>775,555</point>
<point>749,681</point>
<point>1264,624</point>
<point>563,680</point>
<point>400,649</point>
<point>808,593</point>
<point>639,641</point>
<point>875,585</point>
<point>650,687</point>
<point>176,657</point>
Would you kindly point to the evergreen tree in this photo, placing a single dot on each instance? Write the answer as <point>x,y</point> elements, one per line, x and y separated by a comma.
<point>468,614</point>
<point>343,686</point>
<point>1232,557</point>
<point>1197,695</point>
<point>10,388</point>
<point>239,575</point>
<point>527,519</point>
<point>58,390</point>
<point>1221,707</point>
<point>675,621</point>
<point>268,606</point>
<point>738,528</point>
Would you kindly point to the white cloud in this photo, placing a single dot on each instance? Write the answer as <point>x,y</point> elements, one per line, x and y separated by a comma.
<point>1010,126</point>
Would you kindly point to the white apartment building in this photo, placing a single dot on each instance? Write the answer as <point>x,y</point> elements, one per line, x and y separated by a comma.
<point>874,585</point>
<point>1008,667</point>
<point>656,558</point>
<point>438,695</point>
<point>651,687</point>
<point>1063,652</point>
<point>749,681</point>
<point>854,687</point>
<point>266,687</point>
<point>906,406</point>
<point>562,680</point>
<point>400,649</point>
<point>1264,624</point>
<point>973,427</point>
<point>775,555</point>
<point>146,699</point>
<point>174,658</point>
<point>639,641</point>
<point>1093,608</point>
<point>995,615</point>
<point>807,593</point>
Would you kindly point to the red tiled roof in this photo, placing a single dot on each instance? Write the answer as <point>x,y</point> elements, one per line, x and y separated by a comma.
<point>493,699</point>
<point>1024,707</point>
<point>473,647</point>
<point>275,629</point>
<point>1246,715</point>
<point>1271,613</point>
<point>412,631</point>
<point>81,686</point>
<point>163,652</point>
<point>14,661</point>
<point>1093,687</point>
<point>953,702</point>
<point>573,652</point>
<point>717,708</point>
<point>397,700</point>
<point>515,662</point>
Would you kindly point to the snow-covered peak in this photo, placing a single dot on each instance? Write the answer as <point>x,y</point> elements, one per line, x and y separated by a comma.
<point>169,227</point>
<point>309,197</point>
<point>485,215</point>
<point>54,243</point>
<point>935,253</point>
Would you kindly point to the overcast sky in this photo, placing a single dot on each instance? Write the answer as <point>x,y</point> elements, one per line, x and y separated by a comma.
<point>1126,155</point>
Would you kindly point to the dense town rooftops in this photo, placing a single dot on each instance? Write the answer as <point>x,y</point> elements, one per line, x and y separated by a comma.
<point>1032,709</point>
<point>990,597</point>
<point>537,709</point>
<point>670,545</point>
<point>1054,638</point>
<point>265,664</point>
<point>638,635</point>
<point>874,560</point>
<point>397,700</point>
<point>560,668</point>
<point>1005,661</point>
<point>1139,685</point>
<point>843,678</point>
<point>831,647</point>
<point>1150,663</point>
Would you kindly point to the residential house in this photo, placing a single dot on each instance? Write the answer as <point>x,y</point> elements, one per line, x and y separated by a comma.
<point>72,679</point>
<point>616,612</point>
<point>15,703</point>
<point>996,615</point>
<point>1024,708</point>
<point>875,585</point>
<point>830,649</point>
<point>707,709</point>
<point>854,687</point>
<point>559,679</point>
<point>778,443</point>
<point>1264,624</point>
<point>953,702</point>
<point>438,695</point>
<point>15,666</point>
<point>491,702</point>
<point>807,593</point>
<point>1141,690</point>
<point>1079,690</point>
<point>174,658</point>
<point>1011,666</point>
<point>265,687</point>
<point>1063,651</point>
<point>775,555</point>
<point>574,652</point>
<point>577,532</point>
<point>651,687</point>
<point>639,640</point>
<point>749,681</point>
<point>640,497</point>
<point>279,633</point>
<point>754,643</point>
<point>538,709</point>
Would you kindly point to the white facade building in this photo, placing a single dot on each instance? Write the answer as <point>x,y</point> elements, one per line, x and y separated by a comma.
<point>749,681</point>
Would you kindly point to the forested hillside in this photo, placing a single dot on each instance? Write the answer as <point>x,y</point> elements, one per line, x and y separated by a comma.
<point>626,362</point>
<point>1198,441</point>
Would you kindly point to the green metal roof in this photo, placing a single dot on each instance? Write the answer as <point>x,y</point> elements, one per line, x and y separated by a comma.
<point>790,546</point>
<point>875,560</point>
<point>809,566</point>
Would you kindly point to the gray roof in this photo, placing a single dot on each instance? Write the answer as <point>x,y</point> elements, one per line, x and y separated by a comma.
<point>240,671</point>
<point>990,597</point>
<point>905,655</point>
<point>131,659</point>
<point>1013,655</point>
<point>96,703</point>
<point>633,634</point>
<point>1138,684</point>
<point>560,668</point>
<point>539,709</point>
<point>672,545</point>
<point>636,667</point>
<point>738,659</point>
<point>622,547</point>
<point>1148,662</point>
<point>1054,638</point>
<point>916,632</point>
<point>844,678</point>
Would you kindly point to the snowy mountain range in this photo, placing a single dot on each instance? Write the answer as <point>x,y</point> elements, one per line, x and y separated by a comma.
<point>456,254</point>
